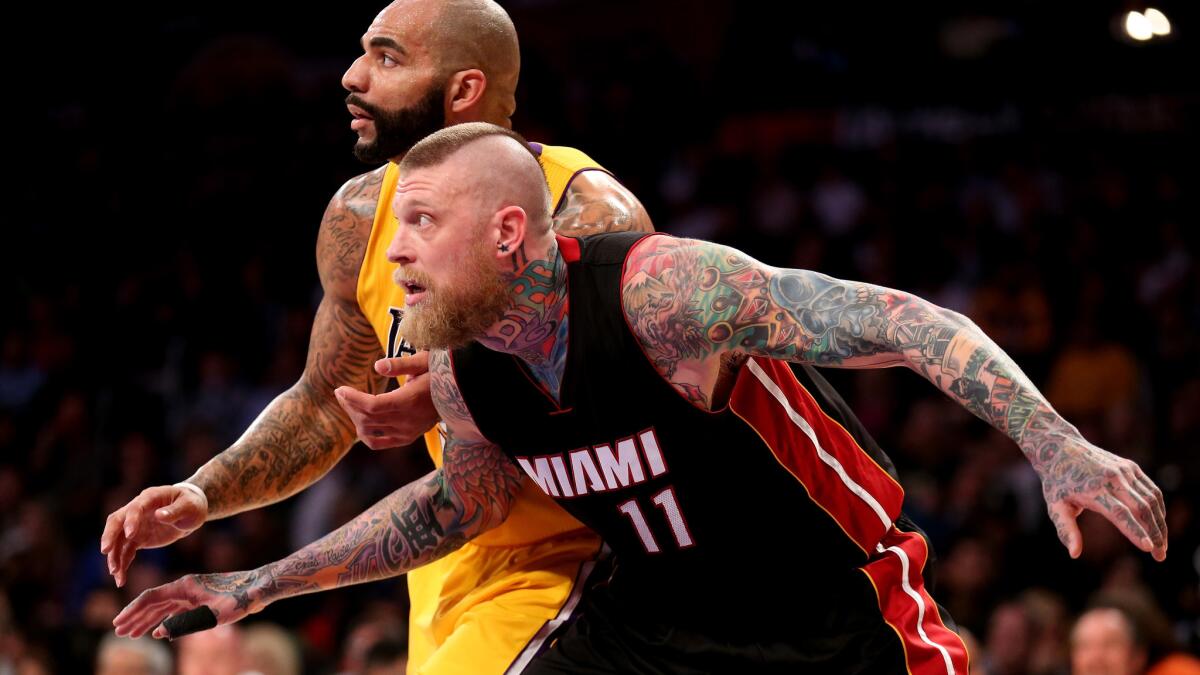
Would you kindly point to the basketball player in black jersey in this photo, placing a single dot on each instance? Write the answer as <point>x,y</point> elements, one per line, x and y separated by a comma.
<point>642,382</point>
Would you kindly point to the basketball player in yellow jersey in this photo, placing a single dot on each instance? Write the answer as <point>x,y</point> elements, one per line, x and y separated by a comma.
<point>486,608</point>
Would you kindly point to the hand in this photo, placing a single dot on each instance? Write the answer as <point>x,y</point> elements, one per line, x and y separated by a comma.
<point>227,595</point>
<point>157,517</point>
<point>1082,476</point>
<point>398,417</point>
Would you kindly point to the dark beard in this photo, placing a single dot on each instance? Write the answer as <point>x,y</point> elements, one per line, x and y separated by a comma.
<point>396,131</point>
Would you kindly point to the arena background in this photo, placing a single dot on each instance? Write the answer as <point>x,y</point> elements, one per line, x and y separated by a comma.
<point>1025,163</point>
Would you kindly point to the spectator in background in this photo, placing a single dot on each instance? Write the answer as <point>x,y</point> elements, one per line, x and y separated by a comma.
<point>1106,642</point>
<point>1124,633</point>
<point>212,652</point>
<point>386,657</point>
<point>122,656</point>
<point>269,650</point>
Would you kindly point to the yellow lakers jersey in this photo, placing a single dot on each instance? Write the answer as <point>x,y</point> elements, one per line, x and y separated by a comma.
<point>534,516</point>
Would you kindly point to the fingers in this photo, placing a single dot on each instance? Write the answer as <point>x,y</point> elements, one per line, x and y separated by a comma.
<point>1120,515</point>
<point>386,420</point>
<point>113,530</point>
<point>1143,514</point>
<point>1063,516</point>
<point>149,609</point>
<point>354,401</point>
<point>133,519</point>
<point>404,365</point>
<point>1150,494</point>
<point>385,442</point>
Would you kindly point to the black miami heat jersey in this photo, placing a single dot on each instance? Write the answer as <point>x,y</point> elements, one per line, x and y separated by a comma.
<point>759,537</point>
<point>770,490</point>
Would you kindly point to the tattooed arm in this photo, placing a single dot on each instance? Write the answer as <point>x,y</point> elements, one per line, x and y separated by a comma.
<point>417,524</point>
<point>594,203</point>
<point>303,432</point>
<point>692,302</point>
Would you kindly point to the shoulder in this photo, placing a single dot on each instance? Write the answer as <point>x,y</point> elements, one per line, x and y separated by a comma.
<point>346,227</point>
<point>663,256</point>
<point>595,202</point>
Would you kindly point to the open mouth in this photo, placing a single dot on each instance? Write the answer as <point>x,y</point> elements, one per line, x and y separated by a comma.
<point>361,117</point>
<point>413,292</point>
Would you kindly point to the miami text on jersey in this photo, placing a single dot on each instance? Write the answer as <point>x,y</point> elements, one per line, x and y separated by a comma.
<point>599,468</point>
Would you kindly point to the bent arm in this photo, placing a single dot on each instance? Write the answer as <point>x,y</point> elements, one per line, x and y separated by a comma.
<point>304,432</point>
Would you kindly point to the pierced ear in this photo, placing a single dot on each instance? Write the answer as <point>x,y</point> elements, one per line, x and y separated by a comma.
<point>510,224</point>
<point>464,92</point>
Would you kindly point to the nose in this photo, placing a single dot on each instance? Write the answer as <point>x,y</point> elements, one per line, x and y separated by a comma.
<point>355,77</point>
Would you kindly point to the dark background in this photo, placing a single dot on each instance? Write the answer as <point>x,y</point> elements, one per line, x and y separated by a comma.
<point>1019,162</point>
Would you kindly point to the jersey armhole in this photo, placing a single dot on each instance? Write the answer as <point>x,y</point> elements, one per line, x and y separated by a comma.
<point>562,198</point>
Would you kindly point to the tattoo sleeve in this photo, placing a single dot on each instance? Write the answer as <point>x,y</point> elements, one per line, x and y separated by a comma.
<point>418,523</point>
<point>690,301</point>
<point>304,431</point>
<point>594,203</point>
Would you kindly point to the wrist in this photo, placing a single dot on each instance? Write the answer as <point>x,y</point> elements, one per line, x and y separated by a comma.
<point>196,490</point>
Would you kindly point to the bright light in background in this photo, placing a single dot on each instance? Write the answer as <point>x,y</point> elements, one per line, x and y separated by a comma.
<point>1158,21</point>
<point>1137,26</point>
<point>1142,26</point>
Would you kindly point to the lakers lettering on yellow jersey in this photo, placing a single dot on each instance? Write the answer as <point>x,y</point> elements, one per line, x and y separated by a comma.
<point>532,560</point>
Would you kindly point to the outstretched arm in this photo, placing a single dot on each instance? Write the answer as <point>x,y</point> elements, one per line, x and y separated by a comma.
<point>418,523</point>
<point>691,301</point>
<point>303,432</point>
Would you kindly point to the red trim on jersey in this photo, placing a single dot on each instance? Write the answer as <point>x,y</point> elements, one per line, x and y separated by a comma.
<point>569,248</point>
<point>792,447</point>
<point>895,572</point>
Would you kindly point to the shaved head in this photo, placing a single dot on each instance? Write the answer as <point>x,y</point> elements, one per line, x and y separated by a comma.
<point>472,34</point>
<point>494,165</point>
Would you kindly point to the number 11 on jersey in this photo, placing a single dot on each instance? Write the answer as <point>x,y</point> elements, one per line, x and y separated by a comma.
<point>666,501</point>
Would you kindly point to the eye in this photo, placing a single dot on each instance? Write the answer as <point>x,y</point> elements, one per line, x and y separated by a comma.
<point>388,61</point>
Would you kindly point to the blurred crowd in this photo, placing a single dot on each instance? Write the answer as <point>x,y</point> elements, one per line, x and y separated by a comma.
<point>160,283</point>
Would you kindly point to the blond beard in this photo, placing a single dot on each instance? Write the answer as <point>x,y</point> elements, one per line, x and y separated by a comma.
<point>452,315</point>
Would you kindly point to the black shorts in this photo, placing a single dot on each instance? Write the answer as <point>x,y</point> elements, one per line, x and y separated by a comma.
<point>878,623</point>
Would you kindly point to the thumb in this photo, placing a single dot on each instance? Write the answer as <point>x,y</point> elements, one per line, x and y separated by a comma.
<point>182,513</point>
<point>352,399</point>
<point>1063,516</point>
<point>403,365</point>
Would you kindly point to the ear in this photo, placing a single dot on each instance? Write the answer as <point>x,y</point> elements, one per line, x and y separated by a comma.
<point>464,95</point>
<point>510,225</point>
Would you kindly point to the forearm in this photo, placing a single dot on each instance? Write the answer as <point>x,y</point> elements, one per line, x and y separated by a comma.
<point>295,441</point>
<point>415,525</point>
<point>859,325</point>
<point>304,431</point>
<point>952,352</point>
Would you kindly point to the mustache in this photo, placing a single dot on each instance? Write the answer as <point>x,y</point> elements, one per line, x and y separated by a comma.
<point>402,274</point>
<point>372,110</point>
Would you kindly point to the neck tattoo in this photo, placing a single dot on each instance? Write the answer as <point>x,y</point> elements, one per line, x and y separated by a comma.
<point>534,328</point>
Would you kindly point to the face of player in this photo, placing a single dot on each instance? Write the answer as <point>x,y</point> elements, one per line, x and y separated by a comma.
<point>448,267</point>
<point>396,91</point>
<point>1101,644</point>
